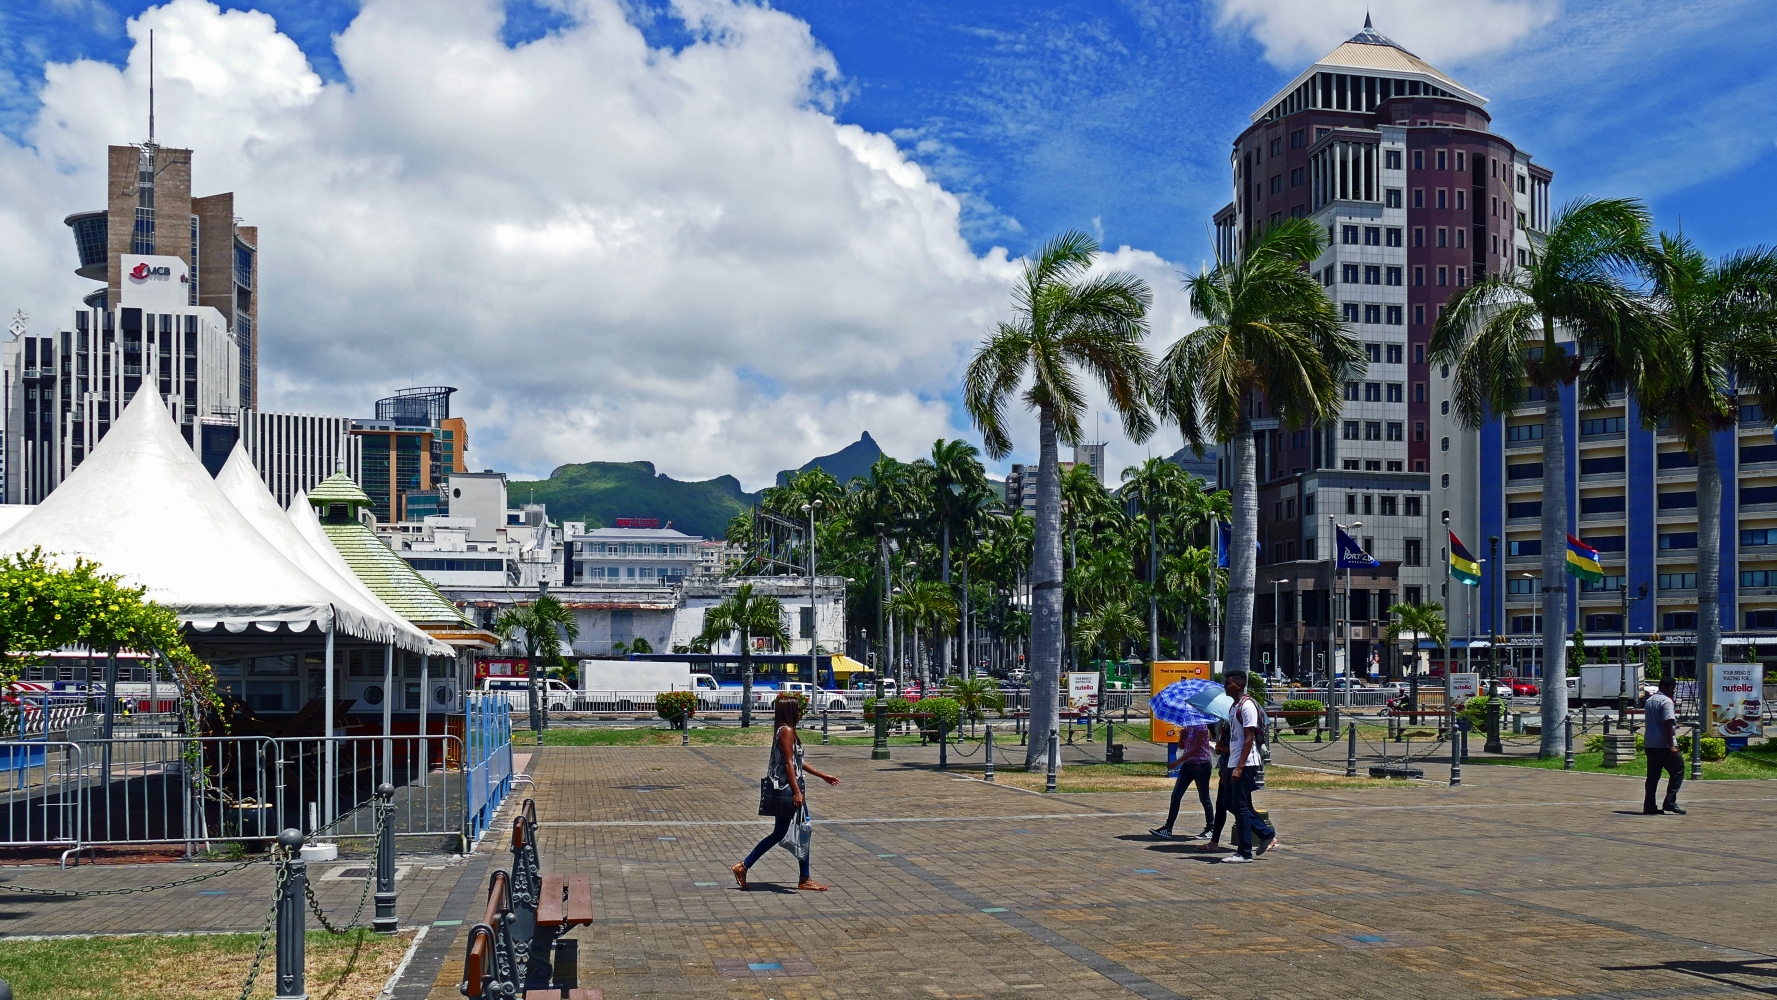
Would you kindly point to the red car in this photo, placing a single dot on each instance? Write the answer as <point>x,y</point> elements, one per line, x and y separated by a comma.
<point>1521,687</point>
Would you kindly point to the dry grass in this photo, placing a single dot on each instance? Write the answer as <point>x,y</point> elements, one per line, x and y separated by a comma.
<point>353,966</point>
<point>1152,778</point>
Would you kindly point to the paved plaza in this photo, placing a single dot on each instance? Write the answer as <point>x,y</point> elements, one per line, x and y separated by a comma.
<point>1521,883</point>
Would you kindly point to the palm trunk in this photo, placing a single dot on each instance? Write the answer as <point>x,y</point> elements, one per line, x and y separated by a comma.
<point>1045,603</point>
<point>944,643</point>
<point>1153,593</point>
<point>1243,568</point>
<point>1554,582</point>
<point>746,683</point>
<point>1709,487</point>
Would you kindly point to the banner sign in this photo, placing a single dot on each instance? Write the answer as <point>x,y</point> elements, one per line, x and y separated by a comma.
<point>1464,686</point>
<point>1165,672</point>
<point>502,668</point>
<point>1736,692</point>
<point>1082,690</point>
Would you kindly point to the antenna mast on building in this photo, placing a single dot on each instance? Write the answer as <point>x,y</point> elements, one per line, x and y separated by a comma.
<point>150,86</point>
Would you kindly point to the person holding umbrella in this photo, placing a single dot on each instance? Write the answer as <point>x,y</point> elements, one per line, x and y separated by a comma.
<point>1182,703</point>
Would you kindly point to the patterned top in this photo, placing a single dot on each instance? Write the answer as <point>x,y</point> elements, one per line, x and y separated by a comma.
<point>1195,746</point>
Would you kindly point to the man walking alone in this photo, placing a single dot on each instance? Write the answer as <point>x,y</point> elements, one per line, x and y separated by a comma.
<point>1661,743</point>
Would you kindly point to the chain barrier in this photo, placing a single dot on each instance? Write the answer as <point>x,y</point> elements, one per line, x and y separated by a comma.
<point>271,922</point>
<point>308,886</point>
<point>127,890</point>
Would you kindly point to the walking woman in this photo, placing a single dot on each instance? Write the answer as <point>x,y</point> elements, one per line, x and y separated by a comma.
<point>787,768</point>
<point>1195,757</point>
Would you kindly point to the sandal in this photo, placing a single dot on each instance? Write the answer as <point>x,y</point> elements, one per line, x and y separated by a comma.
<point>740,875</point>
<point>810,885</point>
<point>1212,846</point>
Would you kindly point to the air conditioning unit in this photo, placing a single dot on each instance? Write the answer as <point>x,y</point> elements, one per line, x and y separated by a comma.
<point>367,696</point>
<point>445,697</point>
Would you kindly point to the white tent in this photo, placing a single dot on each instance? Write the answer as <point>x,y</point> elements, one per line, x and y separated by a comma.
<point>143,507</point>
<point>13,513</point>
<point>240,483</point>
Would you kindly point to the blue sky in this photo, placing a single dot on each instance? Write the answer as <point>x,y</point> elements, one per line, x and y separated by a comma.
<point>1114,116</point>
<point>702,169</point>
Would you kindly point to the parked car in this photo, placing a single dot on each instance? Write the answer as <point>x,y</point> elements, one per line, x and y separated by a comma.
<point>516,691</point>
<point>1521,687</point>
<point>1393,688</point>
<point>1499,689</point>
<point>818,699</point>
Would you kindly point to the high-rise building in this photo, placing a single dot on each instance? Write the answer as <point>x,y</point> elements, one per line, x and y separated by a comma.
<point>1398,163</point>
<point>298,451</point>
<point>403,456</point>
<point>178,313</point>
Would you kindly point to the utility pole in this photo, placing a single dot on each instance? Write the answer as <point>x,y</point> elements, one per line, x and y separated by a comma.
<point>539,717</point>
<point>814,673</point>
<point>1492,609</point>
<point>1449,674</point>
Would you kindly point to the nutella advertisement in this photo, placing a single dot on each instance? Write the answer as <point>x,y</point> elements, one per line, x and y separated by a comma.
<point>1735,693</point>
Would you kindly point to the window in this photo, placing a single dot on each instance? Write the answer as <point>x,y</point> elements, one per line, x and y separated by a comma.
<point>1419,354</point>
<point>1753,453</point>
<point>1688,581</point>
<point>1394,312</point>
<point>1445,481</point>
<point>1373,465</point>
<point>1419,236</point>
<point>1298,177</point>
<point>1372,314</point>
<point>1419,425</point>
<point>1443,236</point>
<point>1461,236</point>
<point>1606,543</point>
<point>1752,413</point>
<point>1326,276</point>
<point>1351,392</point>
<point>1350,310</point>
<point>1681,500</point>
<point>1387,506</point>
<point>1443,161</point>
<point>1351,503</point>
<point>1372,236</point>
<point>1443,276</point>
<point>1461,272</point>
<point>1524,509</point>
<point>1761,619</point>
<point>1599,425</point>
<point>1419,311</point>
<point>1759,536</point>
<point>1392,198</point>
<point>1395,429</point>
<point>1348,234</point>
<point>1276,183</point>
<point>1412,506</point>
<point>1527,470</point>
<point>1394,276</point>
<point>1372,392</point>
<point>1443,198</point>
<point>1608,465</point>
<point>1523,624</point>
<point>1601,505</point>
<point>1412,595</point>
<point>1758,494</point>
<point>1372,274</point>
<point>1444,408</point>
<point>1308,505</point>
<point>1348,273</point>
<point>1460,204</point>
<point>1410,553</point>
<point>1604,623</point>
<point>1394,356</point>
<point>1524,432</point>
<point>1374,353</point>
<point>1607,584</point>
<point>1678,621</point>
<point>1521,188</point>
<point>1298,439</point>
<point>1277,148</point>
<point>1299,138</point>
<point>1524,547</point>
<point>1350,430</point>
<point>1372,430</point>
<point>1678,540</point>
<point>1419,159</point>
<point>1676,460</point>
<point>1394,236</point>
<point>1369,508</point>
<point>1520,585</point>
<point>1418,197</point>
<point>1391,160</point>
<point>1394,392</point>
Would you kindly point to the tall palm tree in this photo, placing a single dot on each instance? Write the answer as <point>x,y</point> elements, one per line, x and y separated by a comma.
<point>1271,334</point>
<point>753,616</point>
<point>926,606</point>
<point>1160,488</point>
<point>959,489</point>
<point>1499,335</point>
<point>541,624</point>
<point>1720,319</point>
<point>1188,578</point>
<point>1067,321</point>
<point>1418,619</point>
<point>1107,628</point>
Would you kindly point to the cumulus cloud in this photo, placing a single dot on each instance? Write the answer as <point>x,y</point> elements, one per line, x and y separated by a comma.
<point>1296,32</point>
<point>617,251</point>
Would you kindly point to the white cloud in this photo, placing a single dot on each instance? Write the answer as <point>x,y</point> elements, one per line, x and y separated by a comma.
<point>617,252</point>
<point>1294,33</point>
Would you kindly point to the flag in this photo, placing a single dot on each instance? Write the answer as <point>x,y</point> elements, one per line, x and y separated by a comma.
<point>1352,555</point>
<point>1221,544</point>
<point>1582,561</point>
<point>1462,565</point>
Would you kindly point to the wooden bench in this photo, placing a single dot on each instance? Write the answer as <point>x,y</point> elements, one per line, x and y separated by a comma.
<point>544,908</point>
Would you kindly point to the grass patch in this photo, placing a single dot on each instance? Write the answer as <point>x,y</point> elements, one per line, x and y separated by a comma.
<point>1146,777</point>
<point>351,966</point>
<point>643,736</point>
<point>1759,763</point>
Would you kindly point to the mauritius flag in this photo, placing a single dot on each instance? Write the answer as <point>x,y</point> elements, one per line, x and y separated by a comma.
<point>1462,565</point>
<point>1582,561</point>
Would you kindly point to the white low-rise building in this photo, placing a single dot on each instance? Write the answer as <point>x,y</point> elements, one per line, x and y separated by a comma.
<point>641,556</point>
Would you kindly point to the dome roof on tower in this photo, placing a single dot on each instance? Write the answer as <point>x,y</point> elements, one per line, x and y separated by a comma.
<point>1371,53</point>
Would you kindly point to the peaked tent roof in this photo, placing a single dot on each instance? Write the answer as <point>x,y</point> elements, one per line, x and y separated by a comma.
<point>1371,53</point>
<point>307,525</point>
<point>240,483</point>
<point>386,574</point>
<point>143,507</point>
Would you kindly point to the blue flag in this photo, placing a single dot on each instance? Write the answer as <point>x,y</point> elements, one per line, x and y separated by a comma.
<point>1352,555</point>
<point>1221,544</point>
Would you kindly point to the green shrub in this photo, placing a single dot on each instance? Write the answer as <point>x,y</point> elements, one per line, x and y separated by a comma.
<point>1299,714</point>
<point>948,709</point>
<point>676,706</point>
<point>1595,743</point>
<point>1714,747</point>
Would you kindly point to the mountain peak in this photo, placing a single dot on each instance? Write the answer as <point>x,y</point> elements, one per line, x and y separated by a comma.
<point>854,459</point>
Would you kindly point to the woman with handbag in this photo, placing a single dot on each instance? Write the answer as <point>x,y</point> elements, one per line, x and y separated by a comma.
<point>781,790</point>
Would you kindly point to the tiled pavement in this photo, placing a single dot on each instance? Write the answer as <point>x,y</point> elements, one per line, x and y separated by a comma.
<point>1522,883</point>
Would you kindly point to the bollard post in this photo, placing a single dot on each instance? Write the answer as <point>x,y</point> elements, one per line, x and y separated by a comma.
<point>384,921</point>
<point>291,932</point>
<point>1351,750</point>
<point>685,730</point>
<point>943,746</point>
<point>1607,725</point>
<point>989,776</point>
<point>1455,754</point>
<point>1054,759</point>
<point>1493,743</point>
<point>826,709</point>
<point>1696,747</point>
<point>879,749</point>
<point>1567,738</point>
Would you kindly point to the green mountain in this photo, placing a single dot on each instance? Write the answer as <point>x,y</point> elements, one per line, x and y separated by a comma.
<point>601,492</point>
<point>854,459</point>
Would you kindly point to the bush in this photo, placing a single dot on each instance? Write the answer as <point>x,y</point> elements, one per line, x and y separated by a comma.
<point>676,706</point>
<point>948,709</point>
<point>1475,709</point>
<point>1595,743</point>
<point>801,699</point>
<point>1714,747</point>
<point>1299,714</point>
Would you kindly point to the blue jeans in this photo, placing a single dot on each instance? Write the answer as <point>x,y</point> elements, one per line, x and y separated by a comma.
<point>771,839</point>
<point>1191,774</point>
<point>1246,818</point>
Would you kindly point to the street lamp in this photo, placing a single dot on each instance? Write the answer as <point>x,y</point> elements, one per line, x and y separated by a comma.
<point>1492,607</point>
<point>1536,624</point>
<point>814,674</point>
<point>1343,624</point>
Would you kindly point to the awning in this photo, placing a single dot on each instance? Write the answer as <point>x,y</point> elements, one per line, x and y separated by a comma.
<point>845,666</point>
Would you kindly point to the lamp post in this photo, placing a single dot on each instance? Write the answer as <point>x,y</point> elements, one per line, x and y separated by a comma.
<point>1340,644</point>
<point>1492,607</point>
<point>1536,625</point>
<point>1623,649</point>
<point>814,674</point>
<point>879,749</point>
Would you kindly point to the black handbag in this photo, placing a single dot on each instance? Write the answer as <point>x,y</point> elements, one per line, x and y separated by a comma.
<point>776,799</point>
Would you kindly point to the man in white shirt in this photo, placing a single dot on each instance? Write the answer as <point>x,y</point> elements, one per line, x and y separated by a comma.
<point>1660,741</point>
<point>1243,764</point>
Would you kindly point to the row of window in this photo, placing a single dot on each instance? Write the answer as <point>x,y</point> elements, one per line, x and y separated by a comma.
<point>632,548</point>
<point>1372,236</point>
<point>1371,503</point>
<point>1373,392</point>
<point>633,572</point>
<point>1372,430</point>
<point>1370,274</point>
<point>1373,313</point>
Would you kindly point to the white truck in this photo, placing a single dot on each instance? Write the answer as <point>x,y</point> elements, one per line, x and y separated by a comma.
<point>1601,683</point>
<point>644,676</point>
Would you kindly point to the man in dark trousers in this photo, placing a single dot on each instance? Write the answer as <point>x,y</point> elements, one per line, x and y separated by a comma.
<point>1243,766</point>
<point>1661,743</point>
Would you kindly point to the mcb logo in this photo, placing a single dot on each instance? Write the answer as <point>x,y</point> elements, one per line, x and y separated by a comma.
<point>142,272</point>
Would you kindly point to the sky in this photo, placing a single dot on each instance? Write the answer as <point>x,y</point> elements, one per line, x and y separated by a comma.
<point>725,236</point>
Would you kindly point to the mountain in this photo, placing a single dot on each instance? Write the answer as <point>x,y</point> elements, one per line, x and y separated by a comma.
<point>601,492</point>
<point>854,459</point>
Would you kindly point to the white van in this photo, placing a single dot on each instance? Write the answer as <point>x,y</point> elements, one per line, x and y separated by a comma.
<point>517,692</point>
<point>818,699</point>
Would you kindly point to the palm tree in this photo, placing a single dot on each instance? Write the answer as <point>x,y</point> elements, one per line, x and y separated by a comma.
<point>1270,332</point>
<point>1107,628</point>
<point>926,605</point>
<point>752,616</point>
<point>1066,319</point>
<point>1161,488</point>
<point>1721,324</point>
<point>1499,334</point>
<point>1419,619</point>
<point>959,489</point>
<point>542,622</point>
<point>976,695</point>
<point>1188,578</point>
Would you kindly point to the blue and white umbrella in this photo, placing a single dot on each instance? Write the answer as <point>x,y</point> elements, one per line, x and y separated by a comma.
<point>1186,702</point>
